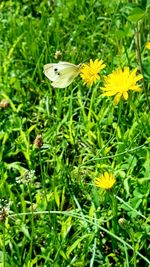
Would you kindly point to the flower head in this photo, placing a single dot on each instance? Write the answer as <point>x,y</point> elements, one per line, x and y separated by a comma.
<point>38,141</point>
<point>119,82</point>
<point>147,46</point>
<point>4,103</point>
<point>57,54</point>
<point>105,181</point>
<point>89,72</point>
<point>123,223</point>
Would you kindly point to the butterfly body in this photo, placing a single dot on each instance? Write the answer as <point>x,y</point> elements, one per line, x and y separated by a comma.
<point>61,74</point>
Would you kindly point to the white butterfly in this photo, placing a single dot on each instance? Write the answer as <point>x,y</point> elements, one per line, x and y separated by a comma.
<point>61,74</point>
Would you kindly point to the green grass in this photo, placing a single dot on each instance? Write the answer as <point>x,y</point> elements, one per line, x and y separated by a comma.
<point>55,216</point>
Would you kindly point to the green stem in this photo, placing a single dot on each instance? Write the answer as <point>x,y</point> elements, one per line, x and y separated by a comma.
<point>131,234</point>
<point>91,103</point>
<point>3,257</point>
<point>32,224</point>
<point>137,41</point>
<point>114,218</point>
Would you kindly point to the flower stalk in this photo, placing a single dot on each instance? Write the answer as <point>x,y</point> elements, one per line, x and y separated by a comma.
<point>139,58</point>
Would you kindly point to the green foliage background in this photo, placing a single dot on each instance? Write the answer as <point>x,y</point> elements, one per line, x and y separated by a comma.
<point>55,216</point>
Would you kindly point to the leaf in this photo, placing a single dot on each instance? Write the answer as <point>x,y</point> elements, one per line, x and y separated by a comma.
<point>126,186</point>
<point>75,244</point>
<point>25,230</point>
<point>148,5</point>
<point>32,127</point>
<point>66,225</point>
<point>91,211</point>
<point>57,197</point>
<point>136,14</point>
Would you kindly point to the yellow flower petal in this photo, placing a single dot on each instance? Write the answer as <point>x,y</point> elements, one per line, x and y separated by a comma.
<point>119,82</point>
<point>109,93</point>
<point>90,72</point>
<point>125,95</point>
<point>117,99</point>
<point>147,46</point>
<point>136,88</point>
<point>105,181</point>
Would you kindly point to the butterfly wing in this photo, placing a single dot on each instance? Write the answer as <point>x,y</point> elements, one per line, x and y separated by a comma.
<point>51,71</point>
<point>61,74</point>
<point>61,83</point>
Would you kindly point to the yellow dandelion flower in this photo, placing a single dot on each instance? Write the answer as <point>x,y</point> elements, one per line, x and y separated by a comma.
<point>147,46</point>
<point>119,82</point>
<point>105,181</point>
<point>89,72</point>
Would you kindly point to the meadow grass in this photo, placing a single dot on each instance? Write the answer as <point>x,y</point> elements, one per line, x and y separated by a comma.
<point>56,142</point>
